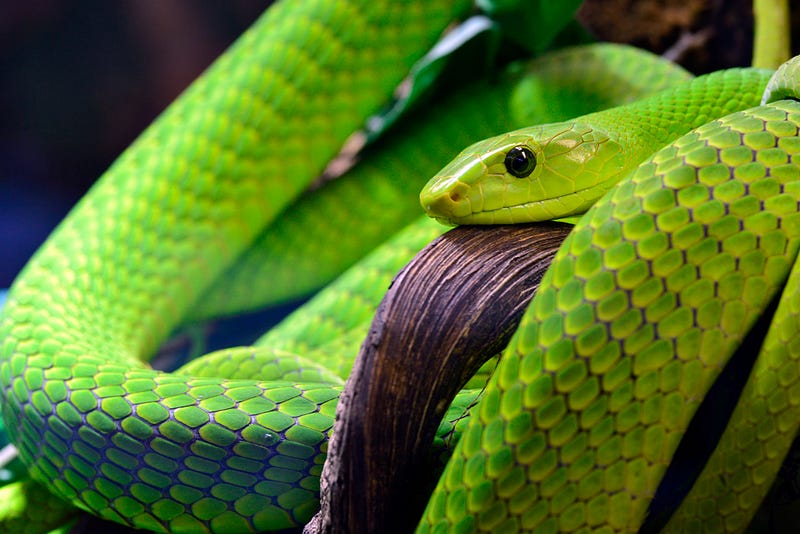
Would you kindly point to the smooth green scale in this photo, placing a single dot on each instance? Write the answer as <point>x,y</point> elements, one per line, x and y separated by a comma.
<point>335,322</point>
<point>264,362</point>
<point>322,337</point>
<point>277,365</point>
<point>578,160</point>
<point>609,374</point>
<point>375,199</point>
<point>92,422</point>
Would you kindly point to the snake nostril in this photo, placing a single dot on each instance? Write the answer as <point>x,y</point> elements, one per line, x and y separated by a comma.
<point>455,196</point>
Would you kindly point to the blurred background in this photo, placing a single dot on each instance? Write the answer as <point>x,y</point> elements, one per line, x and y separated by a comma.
<point>81,79</point>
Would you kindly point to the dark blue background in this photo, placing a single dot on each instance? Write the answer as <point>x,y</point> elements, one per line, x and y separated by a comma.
<point>78,82</point>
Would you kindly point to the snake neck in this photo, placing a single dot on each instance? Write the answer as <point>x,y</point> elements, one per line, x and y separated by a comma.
<point>648,124</point>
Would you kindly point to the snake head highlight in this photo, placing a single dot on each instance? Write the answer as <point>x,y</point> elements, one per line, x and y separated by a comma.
<point>529,175</point>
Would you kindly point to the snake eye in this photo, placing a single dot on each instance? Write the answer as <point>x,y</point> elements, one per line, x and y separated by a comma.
<point>520,161</point>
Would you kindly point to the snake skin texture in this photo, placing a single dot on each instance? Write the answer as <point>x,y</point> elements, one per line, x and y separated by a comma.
<point>642,307</point>
<point>169,452</point>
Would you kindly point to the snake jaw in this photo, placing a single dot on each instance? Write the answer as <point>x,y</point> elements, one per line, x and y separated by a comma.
<point>573,204</point>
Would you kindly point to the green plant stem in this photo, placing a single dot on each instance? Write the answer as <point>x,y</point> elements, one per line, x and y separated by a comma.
<point>772,33</point>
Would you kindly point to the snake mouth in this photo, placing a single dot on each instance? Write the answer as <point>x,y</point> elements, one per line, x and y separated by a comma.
<point>454,208</point>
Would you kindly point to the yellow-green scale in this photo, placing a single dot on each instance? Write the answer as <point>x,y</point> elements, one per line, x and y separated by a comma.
<point>742,468</point>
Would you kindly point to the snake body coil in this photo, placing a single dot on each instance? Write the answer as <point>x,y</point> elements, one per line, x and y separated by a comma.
<point>90,419</point>
<point>643,305</point>
<point>579,422</point>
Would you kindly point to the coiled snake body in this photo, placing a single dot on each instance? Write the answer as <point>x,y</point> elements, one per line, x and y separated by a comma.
<point>645,301</point>
<point>642,307</point>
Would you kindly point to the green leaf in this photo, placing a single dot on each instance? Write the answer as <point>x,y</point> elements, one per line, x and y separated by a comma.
<point>471,50</point>
<point>473,42</point>
<point>531,24</point>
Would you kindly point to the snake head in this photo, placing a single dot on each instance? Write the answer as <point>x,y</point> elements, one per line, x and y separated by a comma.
<point>528,175</point>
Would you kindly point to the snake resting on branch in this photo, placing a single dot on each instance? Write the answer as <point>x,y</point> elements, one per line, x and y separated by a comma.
<point>688,233</point>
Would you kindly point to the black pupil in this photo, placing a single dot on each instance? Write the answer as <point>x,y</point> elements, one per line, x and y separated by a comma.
<point>520,161</point>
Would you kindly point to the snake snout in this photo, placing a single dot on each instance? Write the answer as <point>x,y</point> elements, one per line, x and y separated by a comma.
<point>447,205</point>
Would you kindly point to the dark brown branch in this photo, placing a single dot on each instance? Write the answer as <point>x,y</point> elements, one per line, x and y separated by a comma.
<point>454,306</point>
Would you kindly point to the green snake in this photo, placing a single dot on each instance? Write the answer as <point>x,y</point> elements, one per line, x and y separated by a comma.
<point>641,309</point>
<point>176,212</point>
